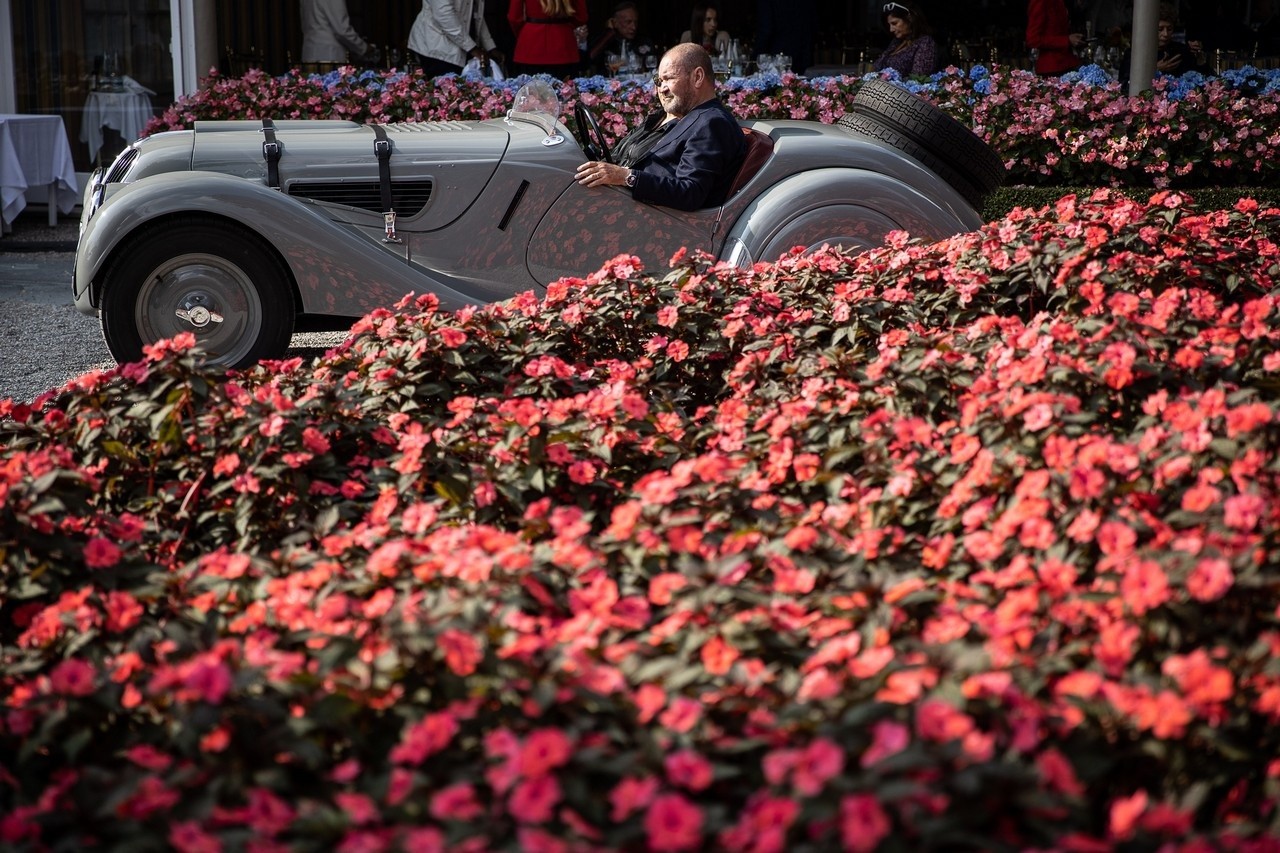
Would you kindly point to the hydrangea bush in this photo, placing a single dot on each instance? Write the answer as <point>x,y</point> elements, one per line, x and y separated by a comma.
<point>958,546</point>
<point>1079,130</point>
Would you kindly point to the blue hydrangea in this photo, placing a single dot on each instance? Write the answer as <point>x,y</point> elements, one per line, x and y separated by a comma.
<point>979,72</point>
<point>1091,75</point>
<point>594,83</point>
<point>983,86</point>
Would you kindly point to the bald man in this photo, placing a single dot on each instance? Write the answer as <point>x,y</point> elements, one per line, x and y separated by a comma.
<point>684,156</point>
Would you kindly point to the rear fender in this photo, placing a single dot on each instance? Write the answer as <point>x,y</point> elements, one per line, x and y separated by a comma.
<point>853,208</point>
<point>336,269</point>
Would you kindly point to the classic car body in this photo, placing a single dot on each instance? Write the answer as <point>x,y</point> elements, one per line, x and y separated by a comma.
<point>199,230</point>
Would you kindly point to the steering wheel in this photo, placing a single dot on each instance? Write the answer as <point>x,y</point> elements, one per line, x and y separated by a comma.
<point>592,137</point>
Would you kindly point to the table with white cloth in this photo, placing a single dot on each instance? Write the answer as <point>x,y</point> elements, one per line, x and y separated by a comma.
<point>34,152</point>
<point>125,112</point>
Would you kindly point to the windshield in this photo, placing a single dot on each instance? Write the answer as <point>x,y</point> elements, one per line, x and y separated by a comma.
<point>536,102</point>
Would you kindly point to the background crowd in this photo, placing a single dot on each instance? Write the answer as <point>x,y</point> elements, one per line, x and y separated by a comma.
<point>567,38</point>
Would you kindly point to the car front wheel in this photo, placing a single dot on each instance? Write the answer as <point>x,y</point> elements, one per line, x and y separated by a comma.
<point>217,281</point>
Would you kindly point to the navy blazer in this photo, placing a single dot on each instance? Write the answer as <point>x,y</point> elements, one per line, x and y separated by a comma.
<point>695,162</point>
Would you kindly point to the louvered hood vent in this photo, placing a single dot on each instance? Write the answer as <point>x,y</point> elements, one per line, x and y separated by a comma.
<point>409,197</point>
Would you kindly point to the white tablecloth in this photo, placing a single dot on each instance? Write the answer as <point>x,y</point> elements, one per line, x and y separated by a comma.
<point>34,152</point>
<point>126,112</point>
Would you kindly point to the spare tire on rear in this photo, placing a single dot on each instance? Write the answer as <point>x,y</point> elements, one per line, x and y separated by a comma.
<point>917,128</point>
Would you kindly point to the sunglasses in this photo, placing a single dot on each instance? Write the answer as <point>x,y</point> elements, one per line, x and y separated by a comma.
<point>889,7</point>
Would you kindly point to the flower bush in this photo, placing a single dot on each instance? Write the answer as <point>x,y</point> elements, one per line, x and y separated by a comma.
<point>1077,130</point>
<point>965,545</point>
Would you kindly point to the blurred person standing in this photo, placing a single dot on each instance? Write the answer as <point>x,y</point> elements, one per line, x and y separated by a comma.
<point>447,33</point>
<point>787,27</point>
<point>327,34</point>
<point>913,51</point>
<point>704,29</point>
<point>1048,34</point>
<point>545,38</point>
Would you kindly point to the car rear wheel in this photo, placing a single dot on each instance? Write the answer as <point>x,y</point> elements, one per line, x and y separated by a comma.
<point>921,130</point>
<point>217,281</point>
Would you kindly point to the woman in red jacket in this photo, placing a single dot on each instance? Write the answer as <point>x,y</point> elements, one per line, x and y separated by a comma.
<point>1048,34</point>
<point>545,38</point>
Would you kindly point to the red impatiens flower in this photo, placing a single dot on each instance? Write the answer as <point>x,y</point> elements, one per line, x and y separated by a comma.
<point>544,750</point>
<point>1144,586</point>
<point>1210,579</point>
<point>816,764</point>
<point>937,720</point>
<point>673,824</point>
<point>863,823</point>
<point>462,652</point>
<point>425,738</point>
<point>145,755</point>
<point>359,808</point>
<point>189,837</point>
<point>887,738</point>
<point>101,553</point>
<point>534,800</point>
<point>207,678</point>
<point>689,770</point>
<point>455,802</point>
<point>718,655</point>
<point>123,611</point>
<point>1124,815</point>
<point>630,795</point>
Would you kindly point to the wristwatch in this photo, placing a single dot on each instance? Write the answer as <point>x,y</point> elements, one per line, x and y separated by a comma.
<point>631,178</point>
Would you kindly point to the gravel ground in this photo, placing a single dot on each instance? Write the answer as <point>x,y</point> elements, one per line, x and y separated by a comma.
<point>46,341</point>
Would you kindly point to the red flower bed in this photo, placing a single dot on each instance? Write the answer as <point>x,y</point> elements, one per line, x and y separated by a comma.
<point>969,545</point>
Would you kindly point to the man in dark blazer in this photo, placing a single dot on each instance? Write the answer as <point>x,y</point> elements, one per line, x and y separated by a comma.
<point>685,156</point>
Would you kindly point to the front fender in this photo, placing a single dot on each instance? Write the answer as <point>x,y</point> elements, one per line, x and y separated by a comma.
<point>336,269</point>
<point>853,208</point>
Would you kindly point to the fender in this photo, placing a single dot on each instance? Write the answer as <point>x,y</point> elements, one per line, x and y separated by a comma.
<point>336,269</point>
<point>858,208</point>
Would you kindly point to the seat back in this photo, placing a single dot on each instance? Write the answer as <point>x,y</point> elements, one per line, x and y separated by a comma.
<point>239,63</point>
<point>759,149</point>
<point>321,68</point>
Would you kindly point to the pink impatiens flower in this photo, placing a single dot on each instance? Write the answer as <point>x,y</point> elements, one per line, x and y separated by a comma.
<point>543,751</point>
<point>534,800</point>
<point>689,770</point>
<point>1210,579</point>
<point>673,824</point>
<point>863,823</point>
<point>73,677</point>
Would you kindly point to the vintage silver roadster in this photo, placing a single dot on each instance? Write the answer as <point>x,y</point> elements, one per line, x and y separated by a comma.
<point>243,231</point>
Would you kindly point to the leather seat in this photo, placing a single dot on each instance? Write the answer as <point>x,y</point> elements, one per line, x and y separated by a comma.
<point>759,149</point>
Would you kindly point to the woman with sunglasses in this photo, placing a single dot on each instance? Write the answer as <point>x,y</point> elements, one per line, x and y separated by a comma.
<point>913,52</point>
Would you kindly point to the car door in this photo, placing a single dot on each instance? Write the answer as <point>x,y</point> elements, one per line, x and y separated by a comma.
<point>587,227</point>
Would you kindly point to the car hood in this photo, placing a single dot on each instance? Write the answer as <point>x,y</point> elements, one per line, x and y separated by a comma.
<point>437,168</point>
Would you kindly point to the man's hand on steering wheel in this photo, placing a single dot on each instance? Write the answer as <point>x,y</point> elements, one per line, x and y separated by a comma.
<point>593,173</point>
<point>594,145</point>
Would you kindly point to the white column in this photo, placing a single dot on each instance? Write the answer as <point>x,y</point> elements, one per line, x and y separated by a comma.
<point>8,95</point>
<point>195,43</point>
<point>1142,62</point>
